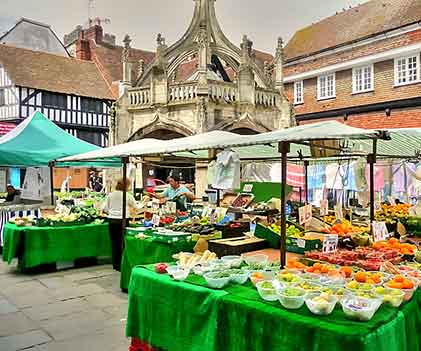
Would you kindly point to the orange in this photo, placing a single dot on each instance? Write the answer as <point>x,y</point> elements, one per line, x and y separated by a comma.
<point>393,241</point>
<point>360,277</point>
<point>347,271</point>
<point>407,284</point>
<point>399,278</point>
<point>324,269</point>
<point>370,281</point>
<point>317,271</point>
<point>317,265</point>
<point>395,285</point>
<point>310,270</point>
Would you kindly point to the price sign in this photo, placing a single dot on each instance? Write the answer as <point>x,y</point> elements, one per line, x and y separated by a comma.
<point>213,217</point>
<point>301,243</point>
<point>330,243</point>
<point>380,231</point>
<point>155,220</point>
<point>338,212</point>
<point>248,188</point>
<point>302,214</point>
<point>391,200</point>
<point>309,212</point>
<point>172,207</point>
<point>324,207</point>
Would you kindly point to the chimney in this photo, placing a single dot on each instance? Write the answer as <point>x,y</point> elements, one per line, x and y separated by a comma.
<point>83,48</point>
<point>94,33</point>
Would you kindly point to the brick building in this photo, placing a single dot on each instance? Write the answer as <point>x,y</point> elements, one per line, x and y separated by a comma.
<point>361,66</point>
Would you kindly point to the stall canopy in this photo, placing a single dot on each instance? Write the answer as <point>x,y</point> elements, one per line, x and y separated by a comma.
<point>37,141</point>
<point>267,142</point>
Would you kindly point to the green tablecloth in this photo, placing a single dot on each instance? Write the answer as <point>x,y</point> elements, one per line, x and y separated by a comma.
<point>147,251</point>
<point>34,246</point>
<point>188,316</point>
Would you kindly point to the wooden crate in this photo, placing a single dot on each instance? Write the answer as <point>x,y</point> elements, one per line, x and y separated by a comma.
<point>236,246</point>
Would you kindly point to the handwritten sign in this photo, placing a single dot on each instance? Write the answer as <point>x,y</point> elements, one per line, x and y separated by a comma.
<point>380,231</point>
<point>248,188</point>
<point>338,212</point>
<point>156,220</point>
<point>330,243</point>
<point>301,243</point>
<point>305,213</point>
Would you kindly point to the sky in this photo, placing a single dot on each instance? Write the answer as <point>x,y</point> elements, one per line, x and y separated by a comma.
<point>262,20</point>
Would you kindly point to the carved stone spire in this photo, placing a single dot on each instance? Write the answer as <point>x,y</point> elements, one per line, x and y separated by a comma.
<point>126,48</point>
<point>280,50</point>
<point>141,68</point>
<point>279,65</point>
<point>202,115</point>
<point>246,49</point>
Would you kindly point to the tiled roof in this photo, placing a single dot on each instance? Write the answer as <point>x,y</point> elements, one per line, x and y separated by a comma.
<point>108,58</point>
<point>40,70</point>
<point>373,17</point>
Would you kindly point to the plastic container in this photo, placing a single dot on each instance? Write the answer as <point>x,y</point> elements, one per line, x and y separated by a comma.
<point>310,277</point>
<point>180,274</point>
<point>256,259</point>
<point>215,282</point>
<point>202,269</point>
<point>233,261</point>
<point>291,302</point>
<point>408,293</point>
<point>258,276</point>
<point>393,297</point>
<point>359,308</point>
<point>219,265</point>
<point>239,277</point>
<point>267,293</point>
<point>319,303</point>
<point>171,269</point>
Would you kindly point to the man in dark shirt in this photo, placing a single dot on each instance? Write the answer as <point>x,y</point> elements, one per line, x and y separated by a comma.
<point>11,193</point>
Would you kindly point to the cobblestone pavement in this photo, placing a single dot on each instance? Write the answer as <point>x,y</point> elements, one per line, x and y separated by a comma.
<point>75,309</point>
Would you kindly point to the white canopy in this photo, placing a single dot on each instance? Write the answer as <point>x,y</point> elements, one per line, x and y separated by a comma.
<point>220,140</point>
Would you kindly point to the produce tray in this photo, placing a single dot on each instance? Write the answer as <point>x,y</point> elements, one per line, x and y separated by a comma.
<point>273,239</point>
<point>300,246</point>
<point>233,232</point>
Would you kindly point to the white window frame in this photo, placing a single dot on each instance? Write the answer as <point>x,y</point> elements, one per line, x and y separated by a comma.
<point>396,70</point>
<point>319,87</point>
<point>298,99</point>
<point>354,79</point>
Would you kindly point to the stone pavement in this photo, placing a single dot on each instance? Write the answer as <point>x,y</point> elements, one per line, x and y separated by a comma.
<point>75,309</point>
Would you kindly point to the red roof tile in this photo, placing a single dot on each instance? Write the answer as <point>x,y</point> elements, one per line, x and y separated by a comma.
<point>373,17</point>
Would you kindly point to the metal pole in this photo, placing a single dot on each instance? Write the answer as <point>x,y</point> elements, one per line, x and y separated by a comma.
<point>283,149</point>
<point>51,166</point>
<point>124,160</point>
<point>306,163</point>
<point>371,161</point>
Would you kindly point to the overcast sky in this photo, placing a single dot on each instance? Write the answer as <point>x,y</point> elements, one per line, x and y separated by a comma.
<point>262,20</point>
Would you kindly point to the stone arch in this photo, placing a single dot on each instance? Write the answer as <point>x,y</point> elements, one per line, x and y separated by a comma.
<point>162,130</point>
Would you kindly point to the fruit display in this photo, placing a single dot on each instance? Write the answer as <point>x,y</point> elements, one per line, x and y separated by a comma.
<point>242,201</point>
<point>256,277</point>
<point>393,244</point>
<point>359,308</point>
<point>320,303</point>
<point>329,219</point>
<point>267,290</point>
<point>291,297</point>
<point>393,297</point>
<point>392,213</point>
<point>188,260</point>
<point>295,265</point>
<point>345,228</point>
<point>25,221</point>
<point>288,278</point>
<point>400,282</point>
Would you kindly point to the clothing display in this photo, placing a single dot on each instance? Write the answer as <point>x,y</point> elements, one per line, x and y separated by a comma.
<point>227,171</point>
<point>333,176</point>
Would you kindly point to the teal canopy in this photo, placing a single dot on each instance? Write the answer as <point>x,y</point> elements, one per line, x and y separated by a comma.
<point>37,141</point>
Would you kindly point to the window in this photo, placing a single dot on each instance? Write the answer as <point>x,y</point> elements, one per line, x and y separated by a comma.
<point>299,92</point>
<point>91,105</point>
<point>326,87</point>
<point>407,70</point>
<point>54,100</point>
<point>362,79</point>
<point>2,97</point>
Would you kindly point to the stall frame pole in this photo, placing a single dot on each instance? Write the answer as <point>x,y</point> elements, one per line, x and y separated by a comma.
<point>371,159</point>
<point>51,166</point>
<point>306,163</point>
<point>284,150</point>
<point>124,160</point>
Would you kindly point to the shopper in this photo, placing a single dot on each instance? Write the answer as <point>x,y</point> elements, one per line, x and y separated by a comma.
<point>113,207</point>
<point>177,193</point>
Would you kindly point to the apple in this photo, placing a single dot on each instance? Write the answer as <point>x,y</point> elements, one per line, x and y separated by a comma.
<point>161,268</point>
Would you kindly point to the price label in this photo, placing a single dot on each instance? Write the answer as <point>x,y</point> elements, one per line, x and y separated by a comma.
<point>391,200</point>
<point>380,231</point>
<point>172,207</point>
<point>330,243</point>
<point>309,212</point>
<point>324,207</point>
<point>248,188</point>
<point>338,212</point>
<point>301,243</point>
<point>156,220</point>
<point>213,217</point>
<point>305,213</point>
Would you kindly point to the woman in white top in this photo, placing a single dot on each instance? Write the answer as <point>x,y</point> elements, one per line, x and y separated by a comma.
<point>113,207</point>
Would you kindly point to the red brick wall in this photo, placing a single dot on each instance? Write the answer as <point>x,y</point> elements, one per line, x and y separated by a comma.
<point>405,118</point>
<point>384,90</point>
<point>353,53</point>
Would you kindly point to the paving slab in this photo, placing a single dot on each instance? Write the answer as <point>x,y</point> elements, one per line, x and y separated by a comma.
<point>31,298</point>
<point>56,282</point>
<point>22,341</point>
<point>61,308</point>
<point>71,326</point>
<point>16,323</point>
<point>72,292</point>
<point>7,307</point>
<point>105,300</point>
<point>24,288</point>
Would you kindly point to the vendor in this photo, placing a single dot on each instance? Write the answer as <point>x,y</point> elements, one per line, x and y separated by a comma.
<point>113,207</point>
<point>176,192</point>
<point>13,195</point>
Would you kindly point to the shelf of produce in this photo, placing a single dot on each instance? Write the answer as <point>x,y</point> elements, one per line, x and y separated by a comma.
<point>34,246</point>
<point>179,316</point>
